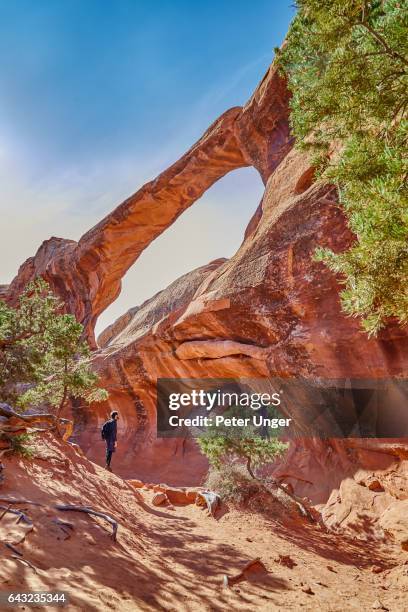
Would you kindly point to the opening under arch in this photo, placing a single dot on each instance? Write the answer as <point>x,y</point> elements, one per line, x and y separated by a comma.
<point>211,228</point>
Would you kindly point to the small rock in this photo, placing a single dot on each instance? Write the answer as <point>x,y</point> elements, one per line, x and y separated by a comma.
<point>250,570</point>
<point>375,485</point>
<point>307,589</point>
<point>138,484</point>
<point>377,569</point>
<point>287,561</point>
<point>177,496</point>
<point>159,499</point>
<point>191,495</point>
<point>160,488</point>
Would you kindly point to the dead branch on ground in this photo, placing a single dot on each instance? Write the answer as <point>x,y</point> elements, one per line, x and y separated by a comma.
<point>92,512</point>
<point>21,516</point>
<point>13,421</point>
<point>4,512</point>
<point>25,562</point>
<point>15,550</point>
<point>19,500</point>
<point>8,412</point>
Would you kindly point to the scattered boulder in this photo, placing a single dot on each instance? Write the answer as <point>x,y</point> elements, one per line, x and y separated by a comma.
<point>191,495</point>
<point>394,521</point>
<point>375,485</point>
<point>138,484</point>
<point>173,495</point>
<point>286,560</point>
<point>178,497</point>
<point>395,481</point>
<point>210,499</point>
<point>370,480</point>
<point>253,569</point>
<point>354,505</point>
<point>307,589</point>
<point>160,499</point>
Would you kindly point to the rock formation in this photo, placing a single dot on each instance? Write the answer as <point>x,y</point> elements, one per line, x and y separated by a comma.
<point>87,275</point>
<point>268,311</point>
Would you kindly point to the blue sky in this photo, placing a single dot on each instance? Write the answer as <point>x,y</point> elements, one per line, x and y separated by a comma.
<point>98,96</point>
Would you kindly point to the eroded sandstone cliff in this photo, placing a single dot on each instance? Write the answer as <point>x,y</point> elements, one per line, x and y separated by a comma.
<point>270,310</point>
<point>87,275</point>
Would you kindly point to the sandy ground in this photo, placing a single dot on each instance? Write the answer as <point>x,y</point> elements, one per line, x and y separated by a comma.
<point>175,559</point>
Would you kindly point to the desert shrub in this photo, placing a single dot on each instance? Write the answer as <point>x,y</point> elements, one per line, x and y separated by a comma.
<point>241,444</point>
<point>20,445</point>
<point>44,359</point>
<point>232,482</point>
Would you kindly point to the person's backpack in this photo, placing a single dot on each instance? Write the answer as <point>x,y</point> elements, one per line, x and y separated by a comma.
<point>105,430</point>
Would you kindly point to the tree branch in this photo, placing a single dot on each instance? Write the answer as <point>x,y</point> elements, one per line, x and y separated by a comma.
<point>6,411</point>
<point>384,43</point>
<point>87,510</point>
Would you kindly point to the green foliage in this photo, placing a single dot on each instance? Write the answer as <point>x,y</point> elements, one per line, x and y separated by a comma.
<point>223,445</point>
<point>346,62</point>
<point>20,445</point>
<point>43,359</point>
<point>232,482</point>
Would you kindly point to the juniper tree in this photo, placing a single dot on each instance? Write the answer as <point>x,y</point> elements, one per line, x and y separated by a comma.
<point>223,444</point>
<point>43,358</point>
<point>346,62</point>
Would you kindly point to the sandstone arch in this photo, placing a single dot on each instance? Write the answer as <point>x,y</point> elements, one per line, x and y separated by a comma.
<point>270,295</point>
<point>87,275</point>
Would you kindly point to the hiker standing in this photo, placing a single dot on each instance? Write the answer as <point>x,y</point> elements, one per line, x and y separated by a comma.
<point>109,433</point>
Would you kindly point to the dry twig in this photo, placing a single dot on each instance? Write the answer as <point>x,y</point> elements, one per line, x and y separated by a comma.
<point>5,512</point>
<point>25,562</point>
<point>22,517</point>
<point>90,511</point>
<point>19,500</point>
<point>15,550</point>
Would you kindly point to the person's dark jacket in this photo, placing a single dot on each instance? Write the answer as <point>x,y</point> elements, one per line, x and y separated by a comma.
<point>110,430</point>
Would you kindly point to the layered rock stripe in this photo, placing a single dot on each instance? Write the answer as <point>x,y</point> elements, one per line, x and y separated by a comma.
<point>268,311</point>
